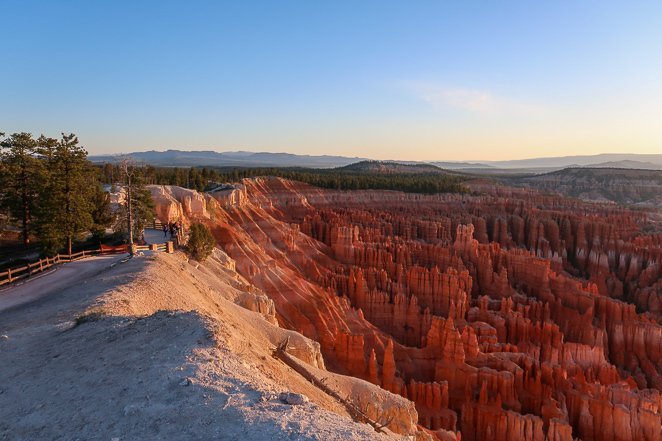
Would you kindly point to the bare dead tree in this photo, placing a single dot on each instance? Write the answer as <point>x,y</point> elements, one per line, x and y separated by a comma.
<point>359,415</point>
<point>128,168</point>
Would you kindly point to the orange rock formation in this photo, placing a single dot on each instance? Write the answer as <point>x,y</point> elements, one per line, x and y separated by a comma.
<point>504,316</point>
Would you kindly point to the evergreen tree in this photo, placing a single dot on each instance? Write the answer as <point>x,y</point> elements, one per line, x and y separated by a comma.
<point>201,242</point>
<point>46,148</point>
<point>102,213</point>
<point>49,237</point>
<point>66,205</point>
<point>108,174</point>
<point>144,209</point>
<point>21,179</point>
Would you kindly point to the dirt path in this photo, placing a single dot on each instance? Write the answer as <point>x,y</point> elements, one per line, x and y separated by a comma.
<point>168,375</point>
<point>54,281</point>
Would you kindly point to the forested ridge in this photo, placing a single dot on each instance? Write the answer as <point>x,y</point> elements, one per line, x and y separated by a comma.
<point>205,178</point>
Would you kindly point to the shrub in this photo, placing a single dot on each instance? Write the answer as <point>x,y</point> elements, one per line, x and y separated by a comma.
<point>201,242</point>
<point>90,316</point>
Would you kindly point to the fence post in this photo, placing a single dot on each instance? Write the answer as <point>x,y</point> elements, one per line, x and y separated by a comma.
<point>29,269</point>
<point>41,265</point>
<point>9,274</point>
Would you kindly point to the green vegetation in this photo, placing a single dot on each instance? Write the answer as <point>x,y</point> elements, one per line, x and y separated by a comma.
<point>201,242</point>
<point>345,178</point>
<point>21,178</point>
<point>52,193</point>
<point>102,214</point>
<point>66,199</point>
<point>91,315</point>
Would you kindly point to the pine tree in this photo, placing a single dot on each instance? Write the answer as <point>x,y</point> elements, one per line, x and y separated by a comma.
<point>143,207</point>
<point>22,177</point>
<point>45,228</point>
<point>102,213</point>
<point>66,204</point>
<point>46,148</point>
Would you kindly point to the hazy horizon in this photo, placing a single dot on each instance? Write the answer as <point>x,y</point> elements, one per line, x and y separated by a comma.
<point>382,80</point>
<point>470,160</point>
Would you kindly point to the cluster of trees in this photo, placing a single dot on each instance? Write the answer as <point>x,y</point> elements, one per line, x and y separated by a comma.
<point>194,178</point>
<point>204,178</point>
<point>354,180</point>
<point>52,192</point>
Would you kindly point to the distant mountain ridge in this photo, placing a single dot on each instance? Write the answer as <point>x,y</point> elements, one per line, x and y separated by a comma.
<point>627,164</point>
<point>184,158</point>
<point>195,158</point>
<point>580,161</point>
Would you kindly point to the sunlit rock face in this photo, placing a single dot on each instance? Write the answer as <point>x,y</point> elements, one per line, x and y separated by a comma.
<point>507,315</point>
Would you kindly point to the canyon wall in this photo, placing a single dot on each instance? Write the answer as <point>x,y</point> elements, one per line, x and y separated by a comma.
<point>506,314</point>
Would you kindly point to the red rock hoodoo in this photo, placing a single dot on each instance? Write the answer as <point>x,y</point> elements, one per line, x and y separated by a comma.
<point>505,316</point>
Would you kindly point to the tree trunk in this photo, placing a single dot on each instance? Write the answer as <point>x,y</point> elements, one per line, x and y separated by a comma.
<point>26,232</point>
<point>129,219</point>
<point>26,215</point>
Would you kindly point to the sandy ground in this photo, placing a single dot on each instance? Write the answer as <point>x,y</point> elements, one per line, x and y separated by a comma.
<point>65,276</point>
<point>156,348</point>
<point>52,281</point>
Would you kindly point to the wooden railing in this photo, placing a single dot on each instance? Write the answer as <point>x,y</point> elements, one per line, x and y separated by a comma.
<point>156,225</point>
<point>164,247</point>
<point>13,274</point>
<point>17,273</point>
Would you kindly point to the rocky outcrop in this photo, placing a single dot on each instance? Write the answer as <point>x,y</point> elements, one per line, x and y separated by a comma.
<point>506,315</point>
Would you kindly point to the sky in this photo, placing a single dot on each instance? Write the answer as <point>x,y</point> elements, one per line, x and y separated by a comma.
<point>414,80</point>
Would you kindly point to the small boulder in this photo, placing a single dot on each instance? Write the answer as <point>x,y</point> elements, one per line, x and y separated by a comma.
<point>132,409</point>
<point>293,399</point>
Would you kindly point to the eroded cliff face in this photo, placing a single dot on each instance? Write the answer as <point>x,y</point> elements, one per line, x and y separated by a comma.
<point>620,185</point>
<point>509,315</point>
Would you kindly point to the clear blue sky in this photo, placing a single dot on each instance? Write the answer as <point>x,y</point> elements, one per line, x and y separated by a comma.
<point>383,79</point>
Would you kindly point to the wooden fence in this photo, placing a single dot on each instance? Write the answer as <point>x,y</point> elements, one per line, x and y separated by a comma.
<point>21,272</point>
<point>14,274</point>
<point>164,247</point>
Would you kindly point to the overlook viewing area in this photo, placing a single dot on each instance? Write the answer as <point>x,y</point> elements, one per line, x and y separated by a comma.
<point>154,241</point>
